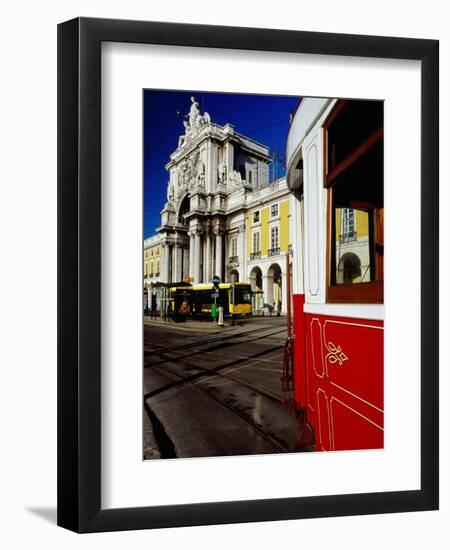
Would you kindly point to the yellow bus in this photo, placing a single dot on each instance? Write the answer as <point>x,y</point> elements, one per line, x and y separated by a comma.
<point>197,300</point>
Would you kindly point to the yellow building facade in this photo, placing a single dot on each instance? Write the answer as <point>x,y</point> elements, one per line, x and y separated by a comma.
<point>268,227</point>
<point>352,246</point>
<point>256,241</point>
<point>153,258</point>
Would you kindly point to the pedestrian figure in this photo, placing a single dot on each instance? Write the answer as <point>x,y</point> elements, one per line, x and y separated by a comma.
<point>153,314</point>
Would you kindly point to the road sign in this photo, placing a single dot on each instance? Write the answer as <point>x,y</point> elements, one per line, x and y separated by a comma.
<point>215,295</point>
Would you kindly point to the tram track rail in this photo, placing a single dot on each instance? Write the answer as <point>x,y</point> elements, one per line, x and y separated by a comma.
<point>171,361</point>
<point>216,371</point>
<point>243,339</point>
<point>192,380</point>
<point>181,381</point>
<point>208,372</point>
<point>221,338</point>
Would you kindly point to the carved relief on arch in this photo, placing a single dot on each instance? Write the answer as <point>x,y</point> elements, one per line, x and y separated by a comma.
<point>194,124</point>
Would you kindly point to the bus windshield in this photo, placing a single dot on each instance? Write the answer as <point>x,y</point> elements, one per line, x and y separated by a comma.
<point>242,294</point>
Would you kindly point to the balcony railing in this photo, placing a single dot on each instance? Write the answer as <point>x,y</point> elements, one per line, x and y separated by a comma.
<point>273,251</point>
<point>348,237</point>
<point>255,255</point>
<point>233,260</point>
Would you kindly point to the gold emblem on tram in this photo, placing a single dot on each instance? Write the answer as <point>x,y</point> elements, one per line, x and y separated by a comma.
<point>335,354</point>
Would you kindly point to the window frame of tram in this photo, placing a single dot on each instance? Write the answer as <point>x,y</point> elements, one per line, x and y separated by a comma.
<point>353,152</point>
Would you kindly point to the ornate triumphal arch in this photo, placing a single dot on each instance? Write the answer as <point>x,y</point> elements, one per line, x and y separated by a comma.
<point>211,174</point>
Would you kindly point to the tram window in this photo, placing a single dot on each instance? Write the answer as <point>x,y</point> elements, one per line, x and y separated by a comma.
<point>354,121</point>
<point>355,185</point>
<point>352,242</point>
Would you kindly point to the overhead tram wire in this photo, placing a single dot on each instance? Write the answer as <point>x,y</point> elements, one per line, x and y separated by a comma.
<point>278,161</point>
<point>156,147</point>
<point>180,114</point>
<point>271,125</point>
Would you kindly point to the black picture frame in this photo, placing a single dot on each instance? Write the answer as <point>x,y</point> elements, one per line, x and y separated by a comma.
<point>79,274</point>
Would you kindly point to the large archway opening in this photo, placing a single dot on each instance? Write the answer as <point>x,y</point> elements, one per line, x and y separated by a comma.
<point>257,289</point>
<point>256,278</point>
<point>274,290</point>
<point>234,276</point>
<point>183,209</point>
<point>349,269</point>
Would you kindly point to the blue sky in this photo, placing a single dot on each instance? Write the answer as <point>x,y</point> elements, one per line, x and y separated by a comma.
<point>263,118</point>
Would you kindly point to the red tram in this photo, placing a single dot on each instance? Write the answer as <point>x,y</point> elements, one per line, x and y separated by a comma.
<point>335,173</point>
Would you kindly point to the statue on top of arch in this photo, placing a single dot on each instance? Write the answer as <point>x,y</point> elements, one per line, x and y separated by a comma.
<point>195,123</point>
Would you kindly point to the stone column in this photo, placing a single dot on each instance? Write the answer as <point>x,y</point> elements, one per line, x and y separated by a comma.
<point>203,274</point>
<point>266,280</point>
<point>208,260</point>
<point>166,273</point>
<point>211,167</point>
<point>177,252</point>
<point>191,254</point>
<point>219,262</point>
<point>229,157</point>
<point>226,255</point>
<point>185,270</point>
<point>197,256</point>
<point>242,253</point>
<point>173,263</point>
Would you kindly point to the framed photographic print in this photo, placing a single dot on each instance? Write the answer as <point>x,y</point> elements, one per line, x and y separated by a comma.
<point>246,332</point>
